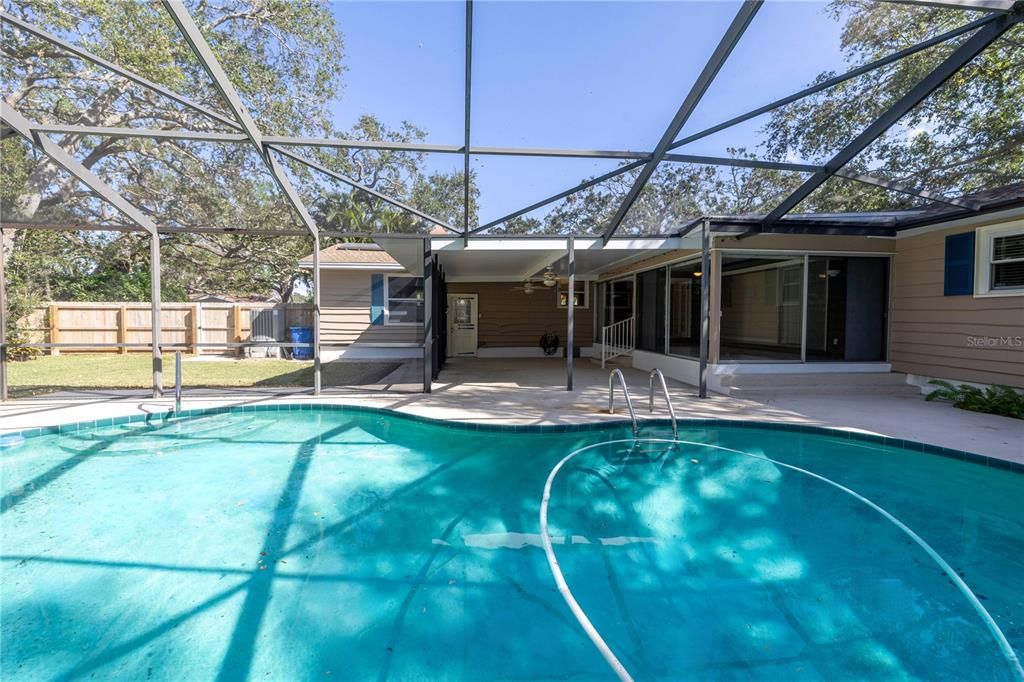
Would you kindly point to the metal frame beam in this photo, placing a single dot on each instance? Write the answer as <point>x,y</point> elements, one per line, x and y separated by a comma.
<point>998,6</point>
<point>428,315</point>
<point>201,49</point>
<point>705,306</point>
<point>56,153</point>
<point>897,186</point>
<point>111,66</point>
<point>832,82</point>
<point>369,190</point>
<point>277,142</point>
<point>570,305</point>
<point>3,322</point>
<point>725,47</point>
<point>960,57</point>
<point>561,195</point>
<point>468,103</point>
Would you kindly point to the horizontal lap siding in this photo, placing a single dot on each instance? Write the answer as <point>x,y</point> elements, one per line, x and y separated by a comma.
<point>930,333</point>
<point>345,312</point>
<point>510,318</point>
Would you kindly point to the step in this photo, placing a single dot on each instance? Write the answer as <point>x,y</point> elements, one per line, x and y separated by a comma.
<point>815,379</point>
<point>625,360</point>
<point>866,383</point>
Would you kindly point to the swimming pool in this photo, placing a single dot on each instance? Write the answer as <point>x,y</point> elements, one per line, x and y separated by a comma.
<point>341,544</point>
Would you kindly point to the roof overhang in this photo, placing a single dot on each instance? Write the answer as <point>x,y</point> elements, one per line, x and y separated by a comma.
<point>515,259</point>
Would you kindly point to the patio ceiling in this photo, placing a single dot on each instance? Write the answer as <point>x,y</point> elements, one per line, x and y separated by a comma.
<point>521,258</point>
<point>992,19</point>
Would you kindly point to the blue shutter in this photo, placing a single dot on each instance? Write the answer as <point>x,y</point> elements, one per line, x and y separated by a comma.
<point>376,299</point>
<point>959,270</point>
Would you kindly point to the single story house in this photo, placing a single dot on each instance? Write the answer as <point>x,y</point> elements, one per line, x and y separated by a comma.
<point>940,300</point>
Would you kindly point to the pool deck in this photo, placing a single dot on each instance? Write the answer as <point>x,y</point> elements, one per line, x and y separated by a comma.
<point>532,391</point>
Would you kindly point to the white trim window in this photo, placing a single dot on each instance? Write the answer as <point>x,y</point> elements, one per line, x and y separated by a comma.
<point>1000,261</point>
<point>403,300</point>
<point>582,298</point>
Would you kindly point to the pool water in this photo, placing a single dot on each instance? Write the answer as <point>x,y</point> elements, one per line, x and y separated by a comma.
<point>356,545</point>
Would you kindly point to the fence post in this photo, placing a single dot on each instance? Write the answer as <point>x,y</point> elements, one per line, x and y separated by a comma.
<point>236,325</point>
<point>53,314</point>
<point>122,329</point>
<point>194,329</point>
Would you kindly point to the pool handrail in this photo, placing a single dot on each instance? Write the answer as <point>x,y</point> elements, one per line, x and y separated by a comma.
<point>177,381</point>
<point>625,392</point>
<point>668,400</point>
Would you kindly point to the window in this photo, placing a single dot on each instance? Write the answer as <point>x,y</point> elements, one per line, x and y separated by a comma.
<point>580,300</point>
<point>1001,261</point>
<point>404,300</point>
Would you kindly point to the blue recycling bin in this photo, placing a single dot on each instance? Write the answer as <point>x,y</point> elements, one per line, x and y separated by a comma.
<point>301,335</point>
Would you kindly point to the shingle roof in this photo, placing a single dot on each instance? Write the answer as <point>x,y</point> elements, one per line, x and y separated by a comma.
<point>352,254</point>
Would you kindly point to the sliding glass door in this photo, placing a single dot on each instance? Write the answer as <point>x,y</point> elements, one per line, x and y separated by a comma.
<point>650,311</point>
<point>846,309</point>
<point>684,321</point>
<point>762,308</point>
<point>764,317</point>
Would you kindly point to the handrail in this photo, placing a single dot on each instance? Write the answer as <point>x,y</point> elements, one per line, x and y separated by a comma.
<point>668,400</point>
<point>617,339</point>
<point>625,391</point>
<point>177,381</point>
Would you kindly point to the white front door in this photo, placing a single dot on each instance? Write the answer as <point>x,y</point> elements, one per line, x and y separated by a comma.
<point>462,316</point>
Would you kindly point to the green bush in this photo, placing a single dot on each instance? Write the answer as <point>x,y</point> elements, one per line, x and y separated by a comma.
<point>1001,400</point>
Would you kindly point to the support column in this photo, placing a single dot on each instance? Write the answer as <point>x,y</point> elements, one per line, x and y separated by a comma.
<point>705,304</point>
<point>316,313</point>
<point>154,306</point>
<point>803,311</point>
<point>3,323</point>
<point>428,315</point>
<point>571,309</point>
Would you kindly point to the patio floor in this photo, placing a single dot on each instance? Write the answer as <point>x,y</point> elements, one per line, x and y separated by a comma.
<point>532,391</point>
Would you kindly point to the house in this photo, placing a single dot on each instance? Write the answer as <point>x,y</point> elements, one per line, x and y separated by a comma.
<point>905,291</point>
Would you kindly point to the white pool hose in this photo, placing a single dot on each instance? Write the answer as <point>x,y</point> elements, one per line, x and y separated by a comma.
<point>616,665</point>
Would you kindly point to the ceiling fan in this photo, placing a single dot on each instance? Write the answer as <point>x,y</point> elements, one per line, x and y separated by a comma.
<point>528,287</point>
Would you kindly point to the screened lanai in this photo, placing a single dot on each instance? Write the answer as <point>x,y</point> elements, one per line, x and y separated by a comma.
<point>615,130</point>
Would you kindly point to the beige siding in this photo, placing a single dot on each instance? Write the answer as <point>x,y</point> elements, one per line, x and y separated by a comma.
<point>511,318</point>
<point>930,332</point>
<point>345,312</point>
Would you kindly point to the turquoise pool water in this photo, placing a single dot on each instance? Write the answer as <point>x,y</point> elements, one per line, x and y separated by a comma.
<point>355,545</point>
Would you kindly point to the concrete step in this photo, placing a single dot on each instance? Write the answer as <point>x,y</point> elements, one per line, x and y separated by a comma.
<point>860,383</point>
<point>617,361</point>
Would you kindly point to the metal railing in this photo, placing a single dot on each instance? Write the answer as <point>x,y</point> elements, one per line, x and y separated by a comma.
<point>617,339</point>
<point>177,382</point>
<point>668,400</point>
<point>625,392</point>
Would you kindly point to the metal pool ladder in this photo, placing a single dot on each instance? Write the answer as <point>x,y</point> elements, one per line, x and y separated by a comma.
<point>668,400</point>
<point>625,392</point>
<point>177,382</point>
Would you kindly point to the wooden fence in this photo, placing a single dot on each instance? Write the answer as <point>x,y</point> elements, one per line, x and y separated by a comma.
<point>183,326</point>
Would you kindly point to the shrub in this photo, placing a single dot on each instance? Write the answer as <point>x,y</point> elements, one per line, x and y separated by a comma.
<point>21,352</point>
<point>1001,400</point>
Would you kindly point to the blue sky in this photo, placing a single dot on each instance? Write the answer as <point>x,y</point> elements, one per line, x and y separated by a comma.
<point>598,75</point>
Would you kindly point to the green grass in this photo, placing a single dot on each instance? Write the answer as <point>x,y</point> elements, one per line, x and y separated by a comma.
<point>54,373</point>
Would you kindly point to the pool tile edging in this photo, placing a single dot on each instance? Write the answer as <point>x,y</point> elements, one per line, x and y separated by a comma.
<point>73,427</point>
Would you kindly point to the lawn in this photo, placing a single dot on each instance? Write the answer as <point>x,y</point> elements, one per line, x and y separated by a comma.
<point>52,373</point>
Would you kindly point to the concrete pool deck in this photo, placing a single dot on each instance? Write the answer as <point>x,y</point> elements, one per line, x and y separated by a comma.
<point>532,391</point>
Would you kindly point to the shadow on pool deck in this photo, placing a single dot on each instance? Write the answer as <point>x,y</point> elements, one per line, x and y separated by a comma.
<point>532,391</point>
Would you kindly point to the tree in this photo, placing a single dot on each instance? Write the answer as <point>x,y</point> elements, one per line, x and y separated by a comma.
<point>286,61</point>
<point>966,136</point>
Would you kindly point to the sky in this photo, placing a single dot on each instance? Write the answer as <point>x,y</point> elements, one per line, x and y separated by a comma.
<point>590,75</point>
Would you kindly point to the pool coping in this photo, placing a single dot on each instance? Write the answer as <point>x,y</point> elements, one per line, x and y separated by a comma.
<point>12,438</point>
